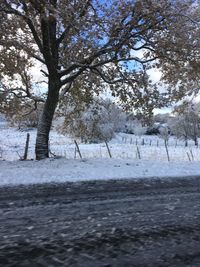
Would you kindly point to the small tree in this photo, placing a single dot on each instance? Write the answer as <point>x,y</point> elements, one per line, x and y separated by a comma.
<point>22,114</point>
<point>164,133</point>
<point>94,122</point>
<point>139,130</point>
<point>186,125</point>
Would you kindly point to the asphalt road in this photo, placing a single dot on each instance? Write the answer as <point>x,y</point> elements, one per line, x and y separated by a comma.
<point>101,224</point>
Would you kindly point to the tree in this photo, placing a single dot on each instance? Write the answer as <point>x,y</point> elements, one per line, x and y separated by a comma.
<point>164,133</point>
<point>22,114</point>
<point>183,76</point>
<point>94,42</point>
<point>180,128</point>
<point>95,122</point>
<point>186,125</point>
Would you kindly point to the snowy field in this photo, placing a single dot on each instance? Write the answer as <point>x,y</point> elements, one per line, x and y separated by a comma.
<point>123,146</point>
<point>132,157</point>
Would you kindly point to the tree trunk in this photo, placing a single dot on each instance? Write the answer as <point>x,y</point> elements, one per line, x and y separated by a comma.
<point>45,121</point>
<point>186,142</point>
<point>196,141</point>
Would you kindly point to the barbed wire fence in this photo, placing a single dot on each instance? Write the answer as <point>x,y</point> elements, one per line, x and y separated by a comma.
<point>126,148</point>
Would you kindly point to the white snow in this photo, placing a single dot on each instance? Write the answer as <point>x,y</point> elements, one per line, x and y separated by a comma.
<point>63,170</point>
<point>96,164</point>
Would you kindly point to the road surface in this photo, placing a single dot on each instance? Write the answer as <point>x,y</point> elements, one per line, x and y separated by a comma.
<point>101,224</point>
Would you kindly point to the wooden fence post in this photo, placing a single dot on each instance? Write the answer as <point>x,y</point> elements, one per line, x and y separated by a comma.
<point>79,152</point>
<point>108,150</point>
<point>138,153</point>
<point>167,150</point>
<point>143,143</point>
<point>188,156</point>
<point>26,147</point>
<point>192,154</point>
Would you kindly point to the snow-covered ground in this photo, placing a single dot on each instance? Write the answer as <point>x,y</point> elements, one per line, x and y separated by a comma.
<point>123,146</point>
<point>130,159</point>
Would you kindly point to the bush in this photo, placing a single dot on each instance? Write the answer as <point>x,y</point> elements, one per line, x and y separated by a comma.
<point>23,116</point>
<point>153,131</point>
<point>93,123</point>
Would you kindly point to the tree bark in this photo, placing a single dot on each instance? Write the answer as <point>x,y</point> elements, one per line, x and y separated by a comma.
<point>45,121</point>
<point>196,141</point>
<point>186,142</point>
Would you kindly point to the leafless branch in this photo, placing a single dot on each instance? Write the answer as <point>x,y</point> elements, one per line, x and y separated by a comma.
<point>105,79</point>
<point>45,73</point>
<point>65,90</point>
<point>73,76</point>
